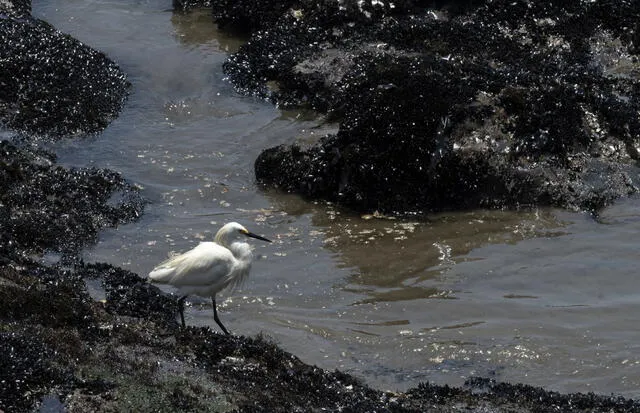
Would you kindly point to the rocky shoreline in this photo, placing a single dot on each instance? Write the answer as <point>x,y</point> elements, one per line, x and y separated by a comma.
<point>63,350</point>
<point>476,104</point>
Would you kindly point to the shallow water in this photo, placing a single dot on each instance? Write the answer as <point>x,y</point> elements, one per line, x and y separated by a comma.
<point>544,297</point>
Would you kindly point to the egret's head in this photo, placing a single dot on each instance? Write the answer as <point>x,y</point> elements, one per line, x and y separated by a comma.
<point>232,231</point>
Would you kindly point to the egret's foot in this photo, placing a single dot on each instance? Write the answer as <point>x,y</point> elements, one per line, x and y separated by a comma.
<point>181,309</point>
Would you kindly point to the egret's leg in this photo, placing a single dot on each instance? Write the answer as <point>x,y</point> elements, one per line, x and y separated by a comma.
<point>181,309</point>
<point>215,316</point>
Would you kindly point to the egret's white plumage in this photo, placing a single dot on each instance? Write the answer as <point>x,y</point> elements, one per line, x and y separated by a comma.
<point>210,267</point>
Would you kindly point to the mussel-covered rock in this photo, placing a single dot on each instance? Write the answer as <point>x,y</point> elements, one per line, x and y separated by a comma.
<point>488,104</point>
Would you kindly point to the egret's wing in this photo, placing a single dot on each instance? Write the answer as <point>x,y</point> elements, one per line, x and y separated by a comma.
<point>206,264</point>
<point>239,280</point>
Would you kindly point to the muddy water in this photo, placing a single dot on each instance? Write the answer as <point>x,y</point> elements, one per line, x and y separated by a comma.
<point>543,297</point>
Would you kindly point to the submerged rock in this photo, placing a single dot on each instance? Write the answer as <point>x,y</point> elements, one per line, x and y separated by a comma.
<point>501,104</point>
<point>50,83</point>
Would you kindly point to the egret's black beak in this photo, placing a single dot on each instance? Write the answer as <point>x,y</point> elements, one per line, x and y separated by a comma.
<point>252,235</point>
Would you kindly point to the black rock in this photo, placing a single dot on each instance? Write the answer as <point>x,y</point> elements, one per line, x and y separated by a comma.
<point>50,83</point>
<point>492,104</point>
<point>45,207</point>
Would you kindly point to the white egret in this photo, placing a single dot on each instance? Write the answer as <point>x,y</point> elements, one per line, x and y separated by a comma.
<point>210,267</point>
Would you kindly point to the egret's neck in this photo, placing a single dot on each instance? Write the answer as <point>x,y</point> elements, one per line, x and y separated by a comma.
<point>222,239</point>
<point>242,252</point>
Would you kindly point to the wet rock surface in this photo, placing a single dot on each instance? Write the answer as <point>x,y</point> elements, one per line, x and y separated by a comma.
<point>62,349</point>
<point>45,207</point>
<point>50,83</point>
<point>477,104</point>
<point>93,356</point>
<point>15,9</point>
<point>128,354</point>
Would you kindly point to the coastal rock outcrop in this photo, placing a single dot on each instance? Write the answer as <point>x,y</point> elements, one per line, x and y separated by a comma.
<point>479,104</point>
<point>50,83</point>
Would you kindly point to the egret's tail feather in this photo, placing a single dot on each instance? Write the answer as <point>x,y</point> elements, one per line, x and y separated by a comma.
<point>161,275</point>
